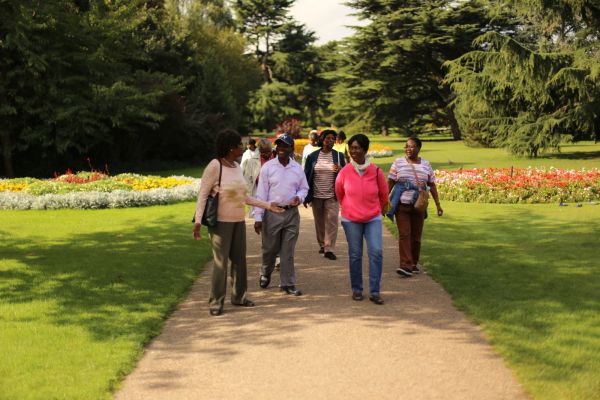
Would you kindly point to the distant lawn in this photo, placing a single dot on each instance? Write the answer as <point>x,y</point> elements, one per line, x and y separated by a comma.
<point>453,155</point>
<point>530,275</point>
<point>82,292</point>
<point>448,154</point>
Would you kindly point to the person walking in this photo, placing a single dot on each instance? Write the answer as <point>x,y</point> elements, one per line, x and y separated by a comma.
<point>363,193</point>
<point>281,181</point>
<point>251,166</point>
<point>341,146</point>
<point>403,178</point>
<point>311,147</point>
<point>251,150</point>
<point>321,170</point>
<point>228,238</point>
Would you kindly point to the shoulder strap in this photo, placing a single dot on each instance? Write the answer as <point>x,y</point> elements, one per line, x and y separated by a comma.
<point>220,171</point>
<point>414,172</point>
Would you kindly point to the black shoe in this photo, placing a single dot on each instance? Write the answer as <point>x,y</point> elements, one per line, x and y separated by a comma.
<point>358,296</point>
<point>376,299</point>
<point>321,250</point>
<point>330,255</point>
<point>215,311</point>
<point>403,271</point>
<point>291,290</point>
<point>246,303</point>
<point>264,281</point>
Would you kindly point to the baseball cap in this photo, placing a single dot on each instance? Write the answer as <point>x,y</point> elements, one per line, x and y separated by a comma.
<point>285,138</point>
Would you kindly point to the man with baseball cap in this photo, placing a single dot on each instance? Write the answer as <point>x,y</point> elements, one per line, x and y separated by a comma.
<point>282,181</point>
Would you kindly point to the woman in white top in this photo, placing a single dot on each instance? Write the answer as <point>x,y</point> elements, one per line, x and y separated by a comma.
<point>409,220</point>
<point>313,146</point>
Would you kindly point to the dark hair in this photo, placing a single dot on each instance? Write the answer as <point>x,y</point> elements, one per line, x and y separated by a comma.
<point>227,139</point>
<point>362,140</point>
<point>342,135</point>
<point>416,140</point>
<point>252,142</point>
<point>324,134</point>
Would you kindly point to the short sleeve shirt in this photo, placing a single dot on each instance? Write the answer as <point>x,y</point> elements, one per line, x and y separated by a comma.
<point>324,176</point>
<point>401,170</point>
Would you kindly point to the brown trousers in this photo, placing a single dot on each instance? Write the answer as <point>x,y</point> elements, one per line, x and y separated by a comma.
<point>410,229</point>
<point>325,212</point>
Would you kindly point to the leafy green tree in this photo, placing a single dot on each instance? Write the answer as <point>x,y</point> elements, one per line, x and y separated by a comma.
<point>261,22</point>
<point>530,88</point>
<point>394,75</point>
<point>68,77</point>
<point>298,62</point>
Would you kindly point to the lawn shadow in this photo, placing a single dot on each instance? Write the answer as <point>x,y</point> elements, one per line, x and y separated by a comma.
<point>110,283</point>
<point>576,155</point>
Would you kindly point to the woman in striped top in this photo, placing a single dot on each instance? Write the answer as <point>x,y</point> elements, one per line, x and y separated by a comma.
<point>409,220</point>
<point>321,169</point>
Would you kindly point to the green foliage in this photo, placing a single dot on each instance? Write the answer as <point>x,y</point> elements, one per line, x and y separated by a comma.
<point>261,22</point>
<point>531,95</point>
<point>121,81</point>
<point>393,76</point>
<point>271,103</point>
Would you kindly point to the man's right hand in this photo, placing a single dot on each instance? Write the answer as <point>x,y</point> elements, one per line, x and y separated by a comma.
<point>258,227</point>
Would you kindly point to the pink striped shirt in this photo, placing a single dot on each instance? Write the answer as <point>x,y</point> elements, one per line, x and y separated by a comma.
<point>402,171</point>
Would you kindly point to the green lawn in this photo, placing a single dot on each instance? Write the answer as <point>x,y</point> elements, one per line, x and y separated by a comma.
<point>530,275</point>
<point>82,292</point>
<point>445,154</point>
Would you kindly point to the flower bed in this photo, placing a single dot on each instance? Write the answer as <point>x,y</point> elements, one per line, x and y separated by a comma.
<point>519,185</point>
<point>95,190</point>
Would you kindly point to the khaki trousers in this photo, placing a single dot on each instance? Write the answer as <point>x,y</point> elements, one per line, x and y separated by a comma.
<point>410,229</point>
<point>325,212</point>
<point>279,236</point>
<point>228,241</point>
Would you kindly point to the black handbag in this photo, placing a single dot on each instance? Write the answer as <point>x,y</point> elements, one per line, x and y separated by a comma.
<point>209,218</point>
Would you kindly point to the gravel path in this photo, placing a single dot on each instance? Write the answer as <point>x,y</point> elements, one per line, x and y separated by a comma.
<point>322,345</point>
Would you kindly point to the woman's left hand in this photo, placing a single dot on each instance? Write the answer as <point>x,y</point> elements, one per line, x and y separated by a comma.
<point>440,212</point>
<point>196,232</point>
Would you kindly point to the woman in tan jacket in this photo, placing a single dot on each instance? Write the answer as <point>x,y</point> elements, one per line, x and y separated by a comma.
<point>228,237</point>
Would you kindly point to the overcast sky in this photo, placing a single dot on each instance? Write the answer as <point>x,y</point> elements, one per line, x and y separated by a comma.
<point>326,17</point>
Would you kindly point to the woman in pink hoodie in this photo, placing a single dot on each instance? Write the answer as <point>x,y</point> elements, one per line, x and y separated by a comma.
<point>362,192</point>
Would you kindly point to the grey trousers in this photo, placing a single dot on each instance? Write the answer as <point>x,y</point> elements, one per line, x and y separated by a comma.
<point>325,212</point>
<point>228,241</point>
<point>279,236</point>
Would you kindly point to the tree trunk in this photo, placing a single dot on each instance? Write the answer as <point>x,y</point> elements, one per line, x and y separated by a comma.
<point>7,154</point>
<point>266,71</point>
<point>454,127</point>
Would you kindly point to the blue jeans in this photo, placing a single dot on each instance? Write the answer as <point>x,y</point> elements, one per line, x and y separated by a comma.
<point>371,230</point>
